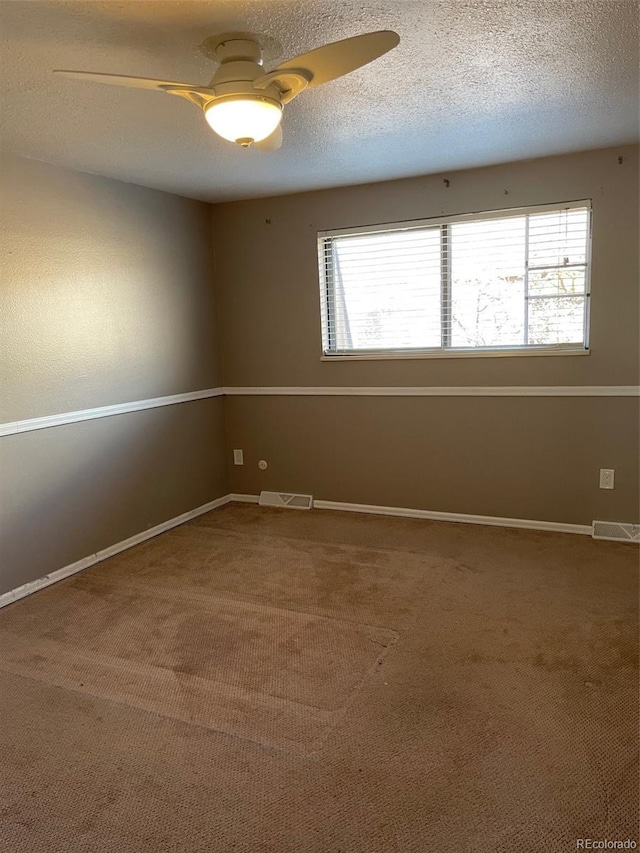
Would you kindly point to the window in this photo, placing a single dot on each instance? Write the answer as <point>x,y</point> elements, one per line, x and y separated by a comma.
<point>497,282</point>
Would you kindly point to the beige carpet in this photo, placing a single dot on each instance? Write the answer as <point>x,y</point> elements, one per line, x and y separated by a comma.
<point>273,680</point>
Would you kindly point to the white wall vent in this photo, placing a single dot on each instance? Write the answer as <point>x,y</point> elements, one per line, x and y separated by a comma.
<point>615,531</point>
<point>286,499</point>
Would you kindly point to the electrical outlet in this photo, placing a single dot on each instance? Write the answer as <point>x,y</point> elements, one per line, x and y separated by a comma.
<point>606,478</point>
<point>238,457</point>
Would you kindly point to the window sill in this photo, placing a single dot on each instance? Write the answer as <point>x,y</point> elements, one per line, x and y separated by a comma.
<point>383,355</point>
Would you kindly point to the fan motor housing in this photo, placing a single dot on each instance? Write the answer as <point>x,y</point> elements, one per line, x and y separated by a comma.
<point>231,88</point>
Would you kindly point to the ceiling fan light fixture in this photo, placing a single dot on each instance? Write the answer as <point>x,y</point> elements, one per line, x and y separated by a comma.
<point>241,102</point>
<point>243,119</point>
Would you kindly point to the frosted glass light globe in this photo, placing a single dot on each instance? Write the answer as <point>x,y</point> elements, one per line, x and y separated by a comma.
<point>244,119</point>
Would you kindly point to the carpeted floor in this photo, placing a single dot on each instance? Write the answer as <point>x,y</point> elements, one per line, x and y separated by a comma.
<point>269,680</point>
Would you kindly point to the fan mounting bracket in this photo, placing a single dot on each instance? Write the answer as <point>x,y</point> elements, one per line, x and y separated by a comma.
<point>290,82</point>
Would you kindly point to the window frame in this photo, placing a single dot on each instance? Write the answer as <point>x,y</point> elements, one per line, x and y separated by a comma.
<point>324,277</point>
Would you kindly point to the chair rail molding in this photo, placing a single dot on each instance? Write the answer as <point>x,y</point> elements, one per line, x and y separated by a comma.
<point>47,421</point>
<point>435,391</point>
<point>30,424</point>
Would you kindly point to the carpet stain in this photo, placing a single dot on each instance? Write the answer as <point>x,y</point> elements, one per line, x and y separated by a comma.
<point>273,676</point>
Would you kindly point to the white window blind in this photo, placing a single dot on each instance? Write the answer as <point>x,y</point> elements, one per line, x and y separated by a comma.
<point>500,281</point>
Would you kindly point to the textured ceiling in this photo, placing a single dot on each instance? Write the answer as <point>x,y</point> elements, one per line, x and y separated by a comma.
<point>472,82</point>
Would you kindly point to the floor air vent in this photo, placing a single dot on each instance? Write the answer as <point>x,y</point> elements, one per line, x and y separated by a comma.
<point>616,531</point>
<point>287,500</point>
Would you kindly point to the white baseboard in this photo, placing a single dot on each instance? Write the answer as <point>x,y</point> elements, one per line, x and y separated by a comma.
<point>244,499</point>
<point>403,512</point>
<point>432,515</point>
<point>490,520</point>
<point>33,586</point>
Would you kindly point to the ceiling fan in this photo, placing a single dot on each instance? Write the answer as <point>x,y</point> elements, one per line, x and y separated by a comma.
<point>244,104</point>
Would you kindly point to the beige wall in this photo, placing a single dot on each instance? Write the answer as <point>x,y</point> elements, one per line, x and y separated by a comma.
<point>519,457</point>
<point>106,298</point>
<point>67,492</point>
<point>106,292</point>
<point>533,457</point>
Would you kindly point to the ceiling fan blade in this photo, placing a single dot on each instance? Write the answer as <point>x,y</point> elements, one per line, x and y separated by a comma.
<point>132,82</point>
<point>271,143</point>
<point>341,57</point>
